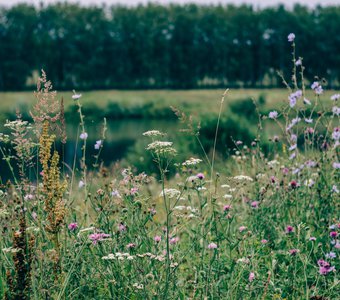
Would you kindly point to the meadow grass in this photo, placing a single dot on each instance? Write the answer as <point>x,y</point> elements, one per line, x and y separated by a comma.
<point>264,226</point>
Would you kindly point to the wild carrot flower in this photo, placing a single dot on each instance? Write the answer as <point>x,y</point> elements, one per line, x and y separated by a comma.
<point>212,246</point>
<point>73,226</point>
<point>291,37</point>
<point>251,276</point>
<point>312,238</point>
<point>130,245</point>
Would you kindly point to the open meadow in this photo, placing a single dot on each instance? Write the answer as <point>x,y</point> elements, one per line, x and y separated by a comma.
<point>167,193</point>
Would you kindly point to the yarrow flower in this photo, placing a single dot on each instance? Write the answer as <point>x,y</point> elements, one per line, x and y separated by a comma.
<point>291,37</point>
<point>212,246</point>
<point>273,114</point>
<point>191,161</point>
<point>153,133</point>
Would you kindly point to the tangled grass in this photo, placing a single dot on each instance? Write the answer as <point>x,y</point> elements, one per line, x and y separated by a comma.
<point>265,228</point>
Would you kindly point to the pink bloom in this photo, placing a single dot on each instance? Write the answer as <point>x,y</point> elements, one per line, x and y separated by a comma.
<point>174,240</point>
<point>72,226</point>
<point>130,245</point>
<point>251,276</point>
<point>121,227</point>
<point>264,241</point>
<point>227,207</point>
<point>152,211</point>
<point>157,238</point>
<point>293,184</point>
<point>200,176</point>
<point>293,252</point>
<point>312,238</point>
<point>212,246</point>
<point>242,228</point>
<point>333,234</point>
<point>291,37</point>
<point>95,237</point>
<point>289,229</point>
<point>255,204</point>
<point>134,191</point>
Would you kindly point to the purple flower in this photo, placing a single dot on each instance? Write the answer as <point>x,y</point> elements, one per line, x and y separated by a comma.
<point>336,165</point>
<point>95,237</point>
<point>289,229</point>
<point>292,101</point>
<point>314,85</point>
<point>200,176</point>
<point>336,110</point>
<point>336,134</point>
<point>174,240</point>
<point>331,255</point>
<point>317,88</point>
<point>293,252</point>
<point>83,135</point>
<point>157,238</point>
<point>298,62</point>
<point>212,246</point>
<point>121,227</point>
<point>291,37</point>
<point>309,120</point>
<point>335,97</point>
<point>251,276</point>
<point>98,144</point>
<point>333,234</point>
<point>73,226</point>
<point>227,207</point>
<point>255,204</point>
<point>273,114</point>
<point>335,189</point>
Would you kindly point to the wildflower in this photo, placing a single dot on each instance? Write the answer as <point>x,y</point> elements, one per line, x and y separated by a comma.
<point>264,241</point>
<point>83,135</point>
<point>325,267</point>
<point>309,120</point>
<point>212,246</point>
<point>130,245</point>
<point>335,189</point>
<point>121,227</point>
<point>333,234</point>
<point>161,147</point>
<point>200,176</point>
<point>152,211</point>
<point>292,101</point>
<point>227,207</point>
<point>242,228</point>
<point>95,237</point>
<point>191,161</point>
<point>335,97</point>
<point>28,197</point>
<point>336,110</point>
<point>174,240</point>
<point>310,182</point>
<point>331,255</point>
<point>134,191</point>
<point>255,204</point>
<point>336,165</point>
<point>336,134</point>
<point>153,133</point>
<point>292,147</point>
<point>81,184</point>
<point>273,114</point>
<point>251,276</point>
<point>289,229</point>
<point>170,193</point>
<point>291,37</point>
<point>238,143</point>
<point>227,196</point>
<point>294,184</point>
<point>115,193</point>
<point>318,90</point>
<point>73,226</point>
<point>310,163</point>
<point>34,215</point>
<point>298,62</point>
<point>314,85</point>
<point>157,238</point>
<point>76,96</point>
<point>98,144</point>
<point>312,238</point>
<point>293,252</point>
<point>243,178</point>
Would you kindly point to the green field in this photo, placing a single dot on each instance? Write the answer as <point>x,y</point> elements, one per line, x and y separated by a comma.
<point>194,100</point>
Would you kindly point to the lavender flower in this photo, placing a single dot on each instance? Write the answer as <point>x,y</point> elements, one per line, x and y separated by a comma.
<point>273,114</point>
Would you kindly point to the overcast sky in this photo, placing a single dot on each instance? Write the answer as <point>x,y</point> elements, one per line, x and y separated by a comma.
<point>256,3</point>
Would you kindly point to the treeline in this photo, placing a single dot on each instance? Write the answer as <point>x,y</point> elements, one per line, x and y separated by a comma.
<point>154,46</point>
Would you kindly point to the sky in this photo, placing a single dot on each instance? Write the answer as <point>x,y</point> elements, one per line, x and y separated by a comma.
<point>256,3</point>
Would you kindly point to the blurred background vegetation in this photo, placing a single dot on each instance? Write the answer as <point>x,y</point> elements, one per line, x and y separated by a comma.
<point>157,46</point>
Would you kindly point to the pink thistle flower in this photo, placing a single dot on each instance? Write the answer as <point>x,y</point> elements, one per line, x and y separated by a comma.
<point>73,226</point>
<point>255,204</point>
<point>212,246</point>
<point>251,276</point>
<point>227,207</point>
<point>264,241</point>
<point>121,227</point>
<point>131,245</point>
<point>174,240</point>
<point>293,184</point>
<point>293,252</point>
<point>242,228</point>
<point>200,176</point>
<point>289,229</point>
<point>312,238</point>
<point>95,237</point>
<point>134,191</point>
<point>333,234</point>
<point>157,238</point>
